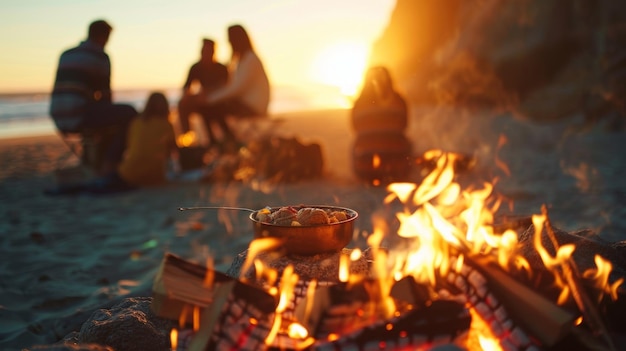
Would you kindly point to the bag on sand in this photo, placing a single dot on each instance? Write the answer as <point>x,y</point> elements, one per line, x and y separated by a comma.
<point>285,159</point>
<point>271,159</point>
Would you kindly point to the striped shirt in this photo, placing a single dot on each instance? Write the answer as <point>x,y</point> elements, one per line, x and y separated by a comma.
<point>83,76</point>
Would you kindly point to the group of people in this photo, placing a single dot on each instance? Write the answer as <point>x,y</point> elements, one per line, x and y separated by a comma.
<point>143,143</point>
<point>245,93</point>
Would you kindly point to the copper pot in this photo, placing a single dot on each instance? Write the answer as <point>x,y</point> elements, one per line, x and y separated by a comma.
<point>309,240</point>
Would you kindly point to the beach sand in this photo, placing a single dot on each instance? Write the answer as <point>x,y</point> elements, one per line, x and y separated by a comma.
<point>65,256</point>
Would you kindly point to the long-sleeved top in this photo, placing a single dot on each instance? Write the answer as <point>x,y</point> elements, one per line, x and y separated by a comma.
<point>150,142</point>
<point>249,84</point>
<point>83,76</point>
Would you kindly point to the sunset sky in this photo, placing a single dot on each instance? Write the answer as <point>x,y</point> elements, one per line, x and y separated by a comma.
<point>154,42</point>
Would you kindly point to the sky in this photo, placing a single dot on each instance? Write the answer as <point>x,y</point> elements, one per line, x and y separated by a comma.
<point>153,43</point>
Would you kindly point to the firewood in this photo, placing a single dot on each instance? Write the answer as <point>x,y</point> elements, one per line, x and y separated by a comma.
<point>440,323</point>
<point>585,304</point>
<point>537,315</point>
<point>338,309</point>
<point>180,285</point>
<point>210,317</point>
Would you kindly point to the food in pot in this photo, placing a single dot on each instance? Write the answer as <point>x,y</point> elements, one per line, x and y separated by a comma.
<point>300,216</point>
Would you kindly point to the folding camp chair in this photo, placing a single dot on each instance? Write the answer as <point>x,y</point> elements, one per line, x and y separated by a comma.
<point>89,145</point>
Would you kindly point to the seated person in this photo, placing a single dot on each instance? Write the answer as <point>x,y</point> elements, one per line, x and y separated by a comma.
<point>248,91</point>
<point>211,75</point>
<point>151,144</point>
<point>381,152</point>
<point>81,98</point>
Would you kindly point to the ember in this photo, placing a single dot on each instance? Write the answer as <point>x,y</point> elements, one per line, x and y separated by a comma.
<point>454,279</point>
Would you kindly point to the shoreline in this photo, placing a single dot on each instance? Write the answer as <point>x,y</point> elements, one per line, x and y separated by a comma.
<point>328,127</point>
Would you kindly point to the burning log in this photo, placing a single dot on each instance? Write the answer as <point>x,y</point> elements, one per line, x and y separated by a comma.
<point>321,268</point>
<point>234,315</point>
<point>352,316</point>
<point>339,309</point>
<point>543,319</point>
<point>440,323</point>
<point>585,304</point>
<point>240,318</point>
<point>180,286</point>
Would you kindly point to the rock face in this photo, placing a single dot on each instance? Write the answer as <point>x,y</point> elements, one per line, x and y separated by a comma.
<point>128,326</point>
<point>548,59</point>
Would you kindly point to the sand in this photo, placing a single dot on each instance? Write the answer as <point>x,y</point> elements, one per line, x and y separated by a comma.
<point>65,256</point>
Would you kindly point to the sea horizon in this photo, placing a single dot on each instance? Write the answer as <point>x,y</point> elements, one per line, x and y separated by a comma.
<point>25,114</point>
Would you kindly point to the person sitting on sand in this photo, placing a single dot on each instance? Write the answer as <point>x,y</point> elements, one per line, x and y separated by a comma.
<point>247,92</point>
<point>381,152</point>
<point>151,145</point>
<point>211,75</point>
<point>82,99</point>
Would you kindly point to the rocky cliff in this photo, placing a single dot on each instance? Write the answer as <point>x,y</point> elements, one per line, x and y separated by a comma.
<point>546,59</point>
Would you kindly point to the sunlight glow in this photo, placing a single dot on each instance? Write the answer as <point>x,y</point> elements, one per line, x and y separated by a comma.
<point>341,65</point>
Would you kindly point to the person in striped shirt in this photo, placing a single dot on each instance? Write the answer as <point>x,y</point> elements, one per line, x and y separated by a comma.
<point>81,98</point>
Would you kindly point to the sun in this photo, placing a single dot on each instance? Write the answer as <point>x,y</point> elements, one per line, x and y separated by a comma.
<point>341,65</point>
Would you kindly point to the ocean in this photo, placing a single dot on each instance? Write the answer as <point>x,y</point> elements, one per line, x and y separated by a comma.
<point>26,114</point>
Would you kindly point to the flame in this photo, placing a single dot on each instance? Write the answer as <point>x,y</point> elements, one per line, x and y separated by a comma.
<point>196,318</point>
<point>297,331</point>
<point>502,140</point>
<point>210,273</point>
<point>600,276</point>
<point>344,267</point>
<point>552,263</point>
<point>438,221</point>
<point>355,255</point>
<point>375,161</point>
<point>187,139</point>
<point>256,247</point>
<point>442,220</point>
<point>287,285</point>
<point>488,344</point>
<point>310,294</point>
<point>174,339</point>
<point>183,315</point>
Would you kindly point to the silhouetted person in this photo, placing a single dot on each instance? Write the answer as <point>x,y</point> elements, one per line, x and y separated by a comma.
<point>381,152</point>
<point>248,90</point>
<point>82,100</point>
<point>210,75</point>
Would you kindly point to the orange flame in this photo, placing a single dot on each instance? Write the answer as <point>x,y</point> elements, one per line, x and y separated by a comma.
<point>344,267</point>
<point>196,318</point>
<point>255,248</point>
<point>210,273</point>
<point>297,331</point>
<point>174,339</point>
<point>439,220</point>
<point>502,140</point>
<point>287,285</point>
<point>600,276</point>
<point>375,161</point>
<point>187,139</point>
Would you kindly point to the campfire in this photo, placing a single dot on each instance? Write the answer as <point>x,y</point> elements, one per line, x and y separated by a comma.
<point>437,271</point>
